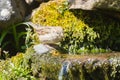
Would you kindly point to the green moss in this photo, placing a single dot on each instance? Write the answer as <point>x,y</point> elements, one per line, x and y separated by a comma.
<point>33,66</point>
<point>46,66</point>
<point>56,13</point>
<point>91,30</point>
<point>106,26</point>
<point>15,68</point>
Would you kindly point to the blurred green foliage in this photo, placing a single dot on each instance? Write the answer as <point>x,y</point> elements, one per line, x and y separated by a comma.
<point>30,66</point>
<point>12,39</point>
<point>15,69</point>
<point>17,38</point>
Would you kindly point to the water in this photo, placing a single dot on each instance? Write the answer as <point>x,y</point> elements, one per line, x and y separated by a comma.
<point>64,70</point>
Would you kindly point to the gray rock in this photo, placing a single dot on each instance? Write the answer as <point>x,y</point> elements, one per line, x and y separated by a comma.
<point>11,12</point>
<point>6,10</point>
<point>41,48</point>
<point>48,34</point>
<point>95,4</point>
<point>108,7</point>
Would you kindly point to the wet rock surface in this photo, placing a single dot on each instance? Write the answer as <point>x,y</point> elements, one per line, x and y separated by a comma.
<point>76,67</point>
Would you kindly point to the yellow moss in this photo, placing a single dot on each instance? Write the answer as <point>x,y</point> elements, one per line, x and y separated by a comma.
<point>48,14</point>
<point>57,13</point>
<point>16,60</point>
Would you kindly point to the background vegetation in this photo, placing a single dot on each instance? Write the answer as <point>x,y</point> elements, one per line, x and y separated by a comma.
<point>17,38</point>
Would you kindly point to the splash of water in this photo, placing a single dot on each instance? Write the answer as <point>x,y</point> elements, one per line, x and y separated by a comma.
<point>64,70</point>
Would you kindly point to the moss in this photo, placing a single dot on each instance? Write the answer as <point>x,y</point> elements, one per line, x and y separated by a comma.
<point>15,68</point>
<point>46,66</point>
<point>56,13</point>
<point>106,26</point>
<point>84,31</point>
<point>33,66</point>
<point>17,60</point>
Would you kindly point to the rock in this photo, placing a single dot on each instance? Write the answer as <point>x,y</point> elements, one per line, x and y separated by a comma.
<point>33,1</point>
<point>48,48</point>
<point>41,48</point>
<point>48,34</point>
<point>29,1</point>
<point>82,4</point>
<point>108,7</point>
<point>11,12</point>
<point>95,4</point>
<point>77,67</point>
<point>32,4</point>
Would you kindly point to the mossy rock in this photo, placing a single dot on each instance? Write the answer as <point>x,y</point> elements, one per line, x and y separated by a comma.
<point>56,13</point>
<point>75,67</point>
<point>91,30</point>
<point>49,66</point>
